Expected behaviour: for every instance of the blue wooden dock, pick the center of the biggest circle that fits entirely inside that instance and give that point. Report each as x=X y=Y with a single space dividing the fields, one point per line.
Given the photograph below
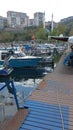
x=51 y=104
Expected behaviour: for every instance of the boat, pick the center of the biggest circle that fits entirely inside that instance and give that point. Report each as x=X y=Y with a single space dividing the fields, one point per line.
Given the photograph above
x=3 y=55
x=5 y=71
x=47 y=57
x=47 y=61
x=18 y=59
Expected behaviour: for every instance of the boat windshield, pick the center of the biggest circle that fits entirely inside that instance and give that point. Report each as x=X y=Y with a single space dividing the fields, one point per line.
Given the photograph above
x=19 y=54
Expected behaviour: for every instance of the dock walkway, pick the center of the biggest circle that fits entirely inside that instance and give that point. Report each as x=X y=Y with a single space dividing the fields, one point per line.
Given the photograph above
x=51 y=104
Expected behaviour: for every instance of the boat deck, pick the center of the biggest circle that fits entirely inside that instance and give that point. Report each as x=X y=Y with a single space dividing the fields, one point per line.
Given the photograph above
x=51 y=104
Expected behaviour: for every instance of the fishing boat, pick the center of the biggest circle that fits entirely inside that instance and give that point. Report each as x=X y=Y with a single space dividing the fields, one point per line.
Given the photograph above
x=18 y=59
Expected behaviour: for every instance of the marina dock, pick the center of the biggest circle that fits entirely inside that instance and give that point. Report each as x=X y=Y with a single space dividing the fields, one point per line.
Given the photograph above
x=50 y=106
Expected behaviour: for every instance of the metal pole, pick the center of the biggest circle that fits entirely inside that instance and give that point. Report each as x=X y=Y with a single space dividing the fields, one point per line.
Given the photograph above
x=14 y=91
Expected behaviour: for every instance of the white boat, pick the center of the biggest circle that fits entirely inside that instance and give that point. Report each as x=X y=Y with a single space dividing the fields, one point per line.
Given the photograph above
x=18 y=59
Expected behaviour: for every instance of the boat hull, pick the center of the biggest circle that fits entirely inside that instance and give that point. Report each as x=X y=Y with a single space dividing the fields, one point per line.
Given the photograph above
x=5 y=71
x=19 y=63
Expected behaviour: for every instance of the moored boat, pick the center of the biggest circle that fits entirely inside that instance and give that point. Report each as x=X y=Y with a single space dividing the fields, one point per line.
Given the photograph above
x=5 y=71
x=18 y=59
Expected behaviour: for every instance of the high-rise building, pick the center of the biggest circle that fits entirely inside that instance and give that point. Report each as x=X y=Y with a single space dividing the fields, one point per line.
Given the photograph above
x=31 y=22
x=38 y=18
x=17 y=19
x=1 y=23
x=20 y=20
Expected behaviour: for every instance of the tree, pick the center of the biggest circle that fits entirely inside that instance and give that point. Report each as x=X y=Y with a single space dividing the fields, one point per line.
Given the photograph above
x=41 y=34
x=6 y=36
x=71 y=32
x=60 y=29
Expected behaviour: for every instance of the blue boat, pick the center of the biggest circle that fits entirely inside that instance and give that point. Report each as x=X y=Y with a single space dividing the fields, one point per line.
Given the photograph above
x=5 y=71
x=18 y=59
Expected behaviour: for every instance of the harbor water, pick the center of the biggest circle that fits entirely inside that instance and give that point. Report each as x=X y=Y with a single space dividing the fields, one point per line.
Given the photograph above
x=25 y=81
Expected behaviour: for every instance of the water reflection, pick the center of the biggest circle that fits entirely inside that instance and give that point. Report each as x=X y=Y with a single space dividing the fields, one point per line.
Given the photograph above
x=24 y=78
x=25 y=81
x=27 y=73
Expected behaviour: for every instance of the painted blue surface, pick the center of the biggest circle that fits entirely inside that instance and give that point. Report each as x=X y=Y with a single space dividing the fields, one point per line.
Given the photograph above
x=1 y=62
x=45 y=116
x=3 y=72
x=8 y=85
x=18 y=63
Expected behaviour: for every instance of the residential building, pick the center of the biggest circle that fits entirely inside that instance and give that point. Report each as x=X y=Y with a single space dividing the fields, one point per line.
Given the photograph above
x=1 y=22
x=31 y=22
x=17 y=19
x=38 y=18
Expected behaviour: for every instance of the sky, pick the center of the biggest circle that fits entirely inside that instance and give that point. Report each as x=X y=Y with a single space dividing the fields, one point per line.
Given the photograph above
x=59 y=8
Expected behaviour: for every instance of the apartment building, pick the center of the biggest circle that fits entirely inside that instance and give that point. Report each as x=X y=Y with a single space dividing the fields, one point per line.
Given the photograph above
x=17 y=19
x=1 y=22
x=20 y=20
x=31 y=23
x=38 y=18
